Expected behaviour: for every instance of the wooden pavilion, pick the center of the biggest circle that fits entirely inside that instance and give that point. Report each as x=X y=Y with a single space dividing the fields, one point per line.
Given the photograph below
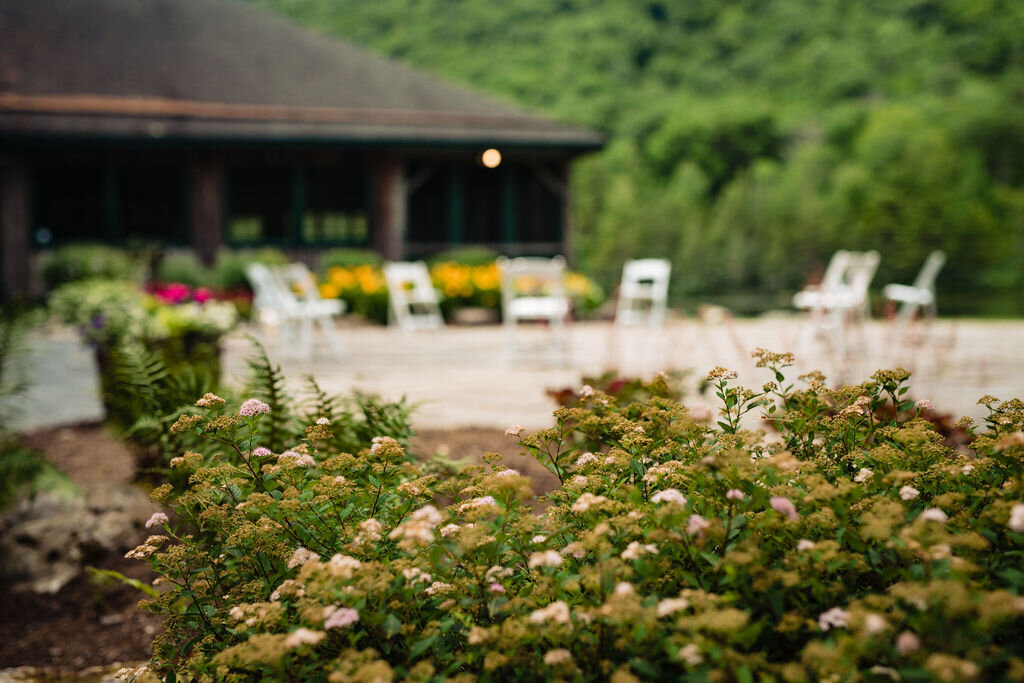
x=209 y=124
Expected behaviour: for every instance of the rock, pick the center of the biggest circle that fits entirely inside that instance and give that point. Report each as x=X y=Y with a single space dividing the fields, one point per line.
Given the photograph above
x=46 y=540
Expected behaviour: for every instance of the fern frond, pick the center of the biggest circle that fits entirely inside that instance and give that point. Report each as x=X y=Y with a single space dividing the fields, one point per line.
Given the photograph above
x=267 y=382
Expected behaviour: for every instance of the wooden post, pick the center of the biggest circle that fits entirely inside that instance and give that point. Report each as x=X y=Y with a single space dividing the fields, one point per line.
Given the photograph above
x=566 y=195
x=207 y=209
x=389 y=206
x=14 y=229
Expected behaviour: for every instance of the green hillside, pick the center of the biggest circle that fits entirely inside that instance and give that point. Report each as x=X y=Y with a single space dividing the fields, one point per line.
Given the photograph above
x=750 y=139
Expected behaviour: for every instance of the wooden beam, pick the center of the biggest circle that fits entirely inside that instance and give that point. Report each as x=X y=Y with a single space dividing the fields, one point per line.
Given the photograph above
x=206 y=185
x=15 y=185
x=388 y=212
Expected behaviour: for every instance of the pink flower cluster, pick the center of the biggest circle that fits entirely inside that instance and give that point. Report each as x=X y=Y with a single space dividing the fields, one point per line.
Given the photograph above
x=178 y=293
x=252 y=407
x=157 y=519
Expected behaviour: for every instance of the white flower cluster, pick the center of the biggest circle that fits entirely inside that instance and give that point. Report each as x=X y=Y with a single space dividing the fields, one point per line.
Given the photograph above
x=418 y=530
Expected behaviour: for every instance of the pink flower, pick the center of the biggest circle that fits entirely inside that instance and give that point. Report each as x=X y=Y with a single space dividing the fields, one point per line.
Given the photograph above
x=342 y=618
x=907 y=642
x=785 y=506
x=261 y=451
x=734 y=494
x=696 y=525
x=497 y=588
x=202 y=295
x=156 y=519
x=923 y=404
x=252 y=407
x=300 y=459
x=515 y=430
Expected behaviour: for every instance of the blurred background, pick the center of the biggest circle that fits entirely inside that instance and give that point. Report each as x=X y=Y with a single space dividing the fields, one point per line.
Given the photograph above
x=748 y=140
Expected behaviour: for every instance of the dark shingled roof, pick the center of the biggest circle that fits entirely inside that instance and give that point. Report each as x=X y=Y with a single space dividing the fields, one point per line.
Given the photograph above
x=220 y=70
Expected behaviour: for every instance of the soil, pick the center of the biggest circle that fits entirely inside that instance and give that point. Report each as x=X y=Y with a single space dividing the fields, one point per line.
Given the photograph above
x=91 y=623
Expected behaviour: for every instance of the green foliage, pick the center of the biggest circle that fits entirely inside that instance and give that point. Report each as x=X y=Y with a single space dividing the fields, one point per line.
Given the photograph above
x=185 y=268
x=89 y=261
x=673 y=548
x=229 y=270
x=467 y=256
x=349 y=258
x=749 y=141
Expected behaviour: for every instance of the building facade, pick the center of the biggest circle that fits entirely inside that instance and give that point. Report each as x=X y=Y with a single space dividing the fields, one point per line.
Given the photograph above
x=208 y=124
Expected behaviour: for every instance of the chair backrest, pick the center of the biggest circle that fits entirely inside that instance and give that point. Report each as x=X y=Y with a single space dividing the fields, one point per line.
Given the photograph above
x=643 y=280
x=930 y=270
x=836 y=270
x=411 y=294
x=271 y=297
x=860 y=271
x=531 y=276
x=298 y=279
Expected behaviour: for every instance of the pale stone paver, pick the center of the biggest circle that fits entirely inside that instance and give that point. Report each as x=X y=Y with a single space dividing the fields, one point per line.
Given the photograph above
x=461 y=376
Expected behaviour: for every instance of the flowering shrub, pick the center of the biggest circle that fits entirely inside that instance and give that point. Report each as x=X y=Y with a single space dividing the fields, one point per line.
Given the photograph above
x=461 y=285
x=849 y=548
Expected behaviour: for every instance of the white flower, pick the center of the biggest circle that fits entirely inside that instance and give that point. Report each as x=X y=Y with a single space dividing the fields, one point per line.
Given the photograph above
x=303 y=636
x=669 y=496
x=934 y=515
x=538 y=539
x=836 y=617
x=907 y=642
x=863 y=475
x=507 y=473
x=449 y=530
x=301 y=556
x=343 y=566
x=547 y=558
x=671 y=606
x=967 y=469
x=437 y=587
x=584 y=502
x=924 y=404
x=428 y=514
x=415 y=575
x=558 y=612
x=585 y=459
x=556 y=657
x=636 y=549
x=586 y=391
x=482 y=501
x=575 y=549
x=1016 y=522
x=497 y=572
x=323 y=421
x=804 y=544
x=734 y=494
x=691 y=654
x=623 y=588
x=874 y=624
x=909 y=493
x=515 y=430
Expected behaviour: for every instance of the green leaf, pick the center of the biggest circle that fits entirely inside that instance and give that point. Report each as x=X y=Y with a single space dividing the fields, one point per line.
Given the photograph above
x=391 y=625
x=421 y=646
x=134 y=583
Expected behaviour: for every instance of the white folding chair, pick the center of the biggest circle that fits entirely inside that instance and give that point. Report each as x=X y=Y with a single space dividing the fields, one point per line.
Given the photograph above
x=919 y=296
x=533 y=290
x=287 y=300
x=299 y=280
x=842 y=298
x=413 y=301
x=643 y=292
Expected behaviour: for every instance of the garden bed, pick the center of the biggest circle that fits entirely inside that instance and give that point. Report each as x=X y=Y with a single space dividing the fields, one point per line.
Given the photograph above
x=89 y=624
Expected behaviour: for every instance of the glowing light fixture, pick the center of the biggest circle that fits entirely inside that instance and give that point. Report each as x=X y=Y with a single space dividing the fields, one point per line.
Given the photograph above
x=490 y=158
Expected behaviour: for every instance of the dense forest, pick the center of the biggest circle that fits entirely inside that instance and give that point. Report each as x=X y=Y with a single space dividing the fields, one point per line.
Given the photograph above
x=748 y=139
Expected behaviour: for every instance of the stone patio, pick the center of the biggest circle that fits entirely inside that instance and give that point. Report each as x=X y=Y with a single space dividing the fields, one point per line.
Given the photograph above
x=461 y=376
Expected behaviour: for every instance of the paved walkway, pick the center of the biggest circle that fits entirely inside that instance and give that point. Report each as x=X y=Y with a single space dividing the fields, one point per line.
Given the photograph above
x=461 y=376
